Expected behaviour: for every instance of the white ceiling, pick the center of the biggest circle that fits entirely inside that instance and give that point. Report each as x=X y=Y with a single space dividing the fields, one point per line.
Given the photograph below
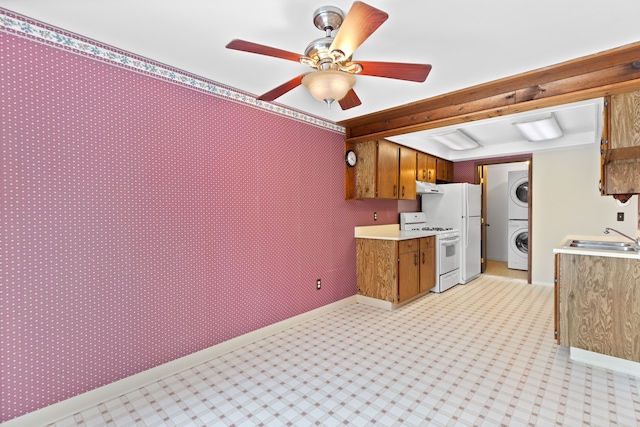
x=467 y=42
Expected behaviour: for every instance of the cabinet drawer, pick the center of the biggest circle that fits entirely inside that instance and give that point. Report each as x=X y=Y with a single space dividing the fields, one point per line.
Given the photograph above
x=405 y=246
x=427 y=242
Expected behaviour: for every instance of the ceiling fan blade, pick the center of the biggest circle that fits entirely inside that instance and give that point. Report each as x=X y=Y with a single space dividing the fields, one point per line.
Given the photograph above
x=350 y=100
x=246 y=46
x=395 y=70
x=361 y=21
x=282 y=89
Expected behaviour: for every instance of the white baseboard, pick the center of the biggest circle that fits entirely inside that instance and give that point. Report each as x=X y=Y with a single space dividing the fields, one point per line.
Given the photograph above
x=79 y=403
x=604 y=361
x=536 y=282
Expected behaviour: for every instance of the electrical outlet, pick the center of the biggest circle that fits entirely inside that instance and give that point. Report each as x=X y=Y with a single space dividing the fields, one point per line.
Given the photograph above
x=620 y=216
x=318 y=284
x=375 y=216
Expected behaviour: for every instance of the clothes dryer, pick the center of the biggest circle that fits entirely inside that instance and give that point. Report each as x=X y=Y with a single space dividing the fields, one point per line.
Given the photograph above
x=518 y=203
x=518 y=255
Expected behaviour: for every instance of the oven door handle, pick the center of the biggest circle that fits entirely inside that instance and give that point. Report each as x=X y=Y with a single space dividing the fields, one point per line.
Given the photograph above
x=447 y=241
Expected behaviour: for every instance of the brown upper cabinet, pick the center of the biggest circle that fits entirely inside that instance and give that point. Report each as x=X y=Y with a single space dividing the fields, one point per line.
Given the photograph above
x=620 y=146
x=444 y=170
x=407 y=174
x=426 y=167
x=377 y=170
x=386 y=170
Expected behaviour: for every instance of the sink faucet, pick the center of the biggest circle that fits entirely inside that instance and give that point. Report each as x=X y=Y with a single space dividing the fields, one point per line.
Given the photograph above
x=636 y=241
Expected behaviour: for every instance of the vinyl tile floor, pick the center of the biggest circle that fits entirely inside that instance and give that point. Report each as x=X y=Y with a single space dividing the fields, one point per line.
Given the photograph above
x=480 y=354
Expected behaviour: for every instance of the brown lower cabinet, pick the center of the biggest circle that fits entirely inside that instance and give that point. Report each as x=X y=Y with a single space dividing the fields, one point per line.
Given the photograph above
x=597 y=300
x=395 y=271
x=408 y=269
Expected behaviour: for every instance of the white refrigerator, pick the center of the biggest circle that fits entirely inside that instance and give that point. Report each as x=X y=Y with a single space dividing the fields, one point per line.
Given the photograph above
x=459 y=206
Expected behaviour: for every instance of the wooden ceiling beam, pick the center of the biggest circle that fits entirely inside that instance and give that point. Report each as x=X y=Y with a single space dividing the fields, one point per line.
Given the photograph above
x=609 y=72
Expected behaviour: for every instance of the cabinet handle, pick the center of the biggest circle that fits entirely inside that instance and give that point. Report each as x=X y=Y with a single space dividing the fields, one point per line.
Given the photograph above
x=395 y=190
x=423 y=257
x=415 y=259
x=600 y=186
x=403 y=191
x=424 y=174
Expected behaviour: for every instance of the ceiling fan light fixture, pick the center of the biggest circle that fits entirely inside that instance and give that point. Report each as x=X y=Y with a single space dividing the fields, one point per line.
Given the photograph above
x=540 y=130
x=456 y=140
x=328 y=85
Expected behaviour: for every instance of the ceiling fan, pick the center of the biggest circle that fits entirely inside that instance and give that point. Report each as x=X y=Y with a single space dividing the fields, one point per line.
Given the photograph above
x=331 y=57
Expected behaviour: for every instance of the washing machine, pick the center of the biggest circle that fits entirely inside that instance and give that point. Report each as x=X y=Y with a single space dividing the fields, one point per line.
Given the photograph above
x=518 y=204
x=518 y=255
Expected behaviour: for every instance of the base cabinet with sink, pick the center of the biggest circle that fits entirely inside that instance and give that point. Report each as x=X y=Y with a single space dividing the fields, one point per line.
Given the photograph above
x=597 y=300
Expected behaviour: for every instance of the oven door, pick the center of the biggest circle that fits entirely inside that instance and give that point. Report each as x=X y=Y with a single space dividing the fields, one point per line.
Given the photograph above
x=449 y=255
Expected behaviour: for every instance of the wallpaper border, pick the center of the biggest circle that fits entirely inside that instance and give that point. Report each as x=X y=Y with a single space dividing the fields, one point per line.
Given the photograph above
x=13 y=23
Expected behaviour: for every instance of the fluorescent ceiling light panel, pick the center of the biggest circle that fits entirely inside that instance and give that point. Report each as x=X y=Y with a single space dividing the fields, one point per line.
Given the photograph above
x=456 y=140
x=540 y=130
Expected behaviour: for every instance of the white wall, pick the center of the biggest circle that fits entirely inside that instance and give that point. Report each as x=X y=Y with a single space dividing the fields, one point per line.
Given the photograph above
x=497 y=208
x=566 y=200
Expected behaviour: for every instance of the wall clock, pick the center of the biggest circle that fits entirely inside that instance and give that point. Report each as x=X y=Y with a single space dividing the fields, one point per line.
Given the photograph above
x=350 y=158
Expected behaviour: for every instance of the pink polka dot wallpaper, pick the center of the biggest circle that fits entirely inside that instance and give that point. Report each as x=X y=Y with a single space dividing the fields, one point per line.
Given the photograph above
x=143 y=221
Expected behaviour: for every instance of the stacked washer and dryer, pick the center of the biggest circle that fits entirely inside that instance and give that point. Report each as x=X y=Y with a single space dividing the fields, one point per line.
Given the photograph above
x=518 y=215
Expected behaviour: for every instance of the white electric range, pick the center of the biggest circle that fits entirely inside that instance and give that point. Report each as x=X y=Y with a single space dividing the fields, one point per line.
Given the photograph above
x=447 y=248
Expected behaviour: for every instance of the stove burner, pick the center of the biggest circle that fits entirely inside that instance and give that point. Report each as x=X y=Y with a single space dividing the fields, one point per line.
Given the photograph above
x=437 y=228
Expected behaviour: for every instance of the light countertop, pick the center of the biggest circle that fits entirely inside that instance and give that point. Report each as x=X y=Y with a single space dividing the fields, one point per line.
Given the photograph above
x=561 y=249
x=389 y=232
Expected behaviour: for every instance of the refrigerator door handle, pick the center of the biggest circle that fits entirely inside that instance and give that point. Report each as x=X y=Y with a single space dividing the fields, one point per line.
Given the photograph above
x=466 y=234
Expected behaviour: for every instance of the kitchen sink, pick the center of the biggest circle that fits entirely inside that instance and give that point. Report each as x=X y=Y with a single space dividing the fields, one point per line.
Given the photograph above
x=601 y=245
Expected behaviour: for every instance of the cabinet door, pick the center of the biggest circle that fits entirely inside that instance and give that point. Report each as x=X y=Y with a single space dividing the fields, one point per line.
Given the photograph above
x=376 y=266
x=387 y=170
x=444 y=170
x=427 y=263
x=431 y=169
x=408 y=269
x=599 y=305
x=621 y=171
x=407 y=174
x=421 y=166
x=366 y=169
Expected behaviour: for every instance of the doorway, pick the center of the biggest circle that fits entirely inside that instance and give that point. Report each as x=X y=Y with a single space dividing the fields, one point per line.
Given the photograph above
x=495 y=245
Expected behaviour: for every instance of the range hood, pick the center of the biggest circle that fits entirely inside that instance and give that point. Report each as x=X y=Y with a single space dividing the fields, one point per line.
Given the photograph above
x=423 y=187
